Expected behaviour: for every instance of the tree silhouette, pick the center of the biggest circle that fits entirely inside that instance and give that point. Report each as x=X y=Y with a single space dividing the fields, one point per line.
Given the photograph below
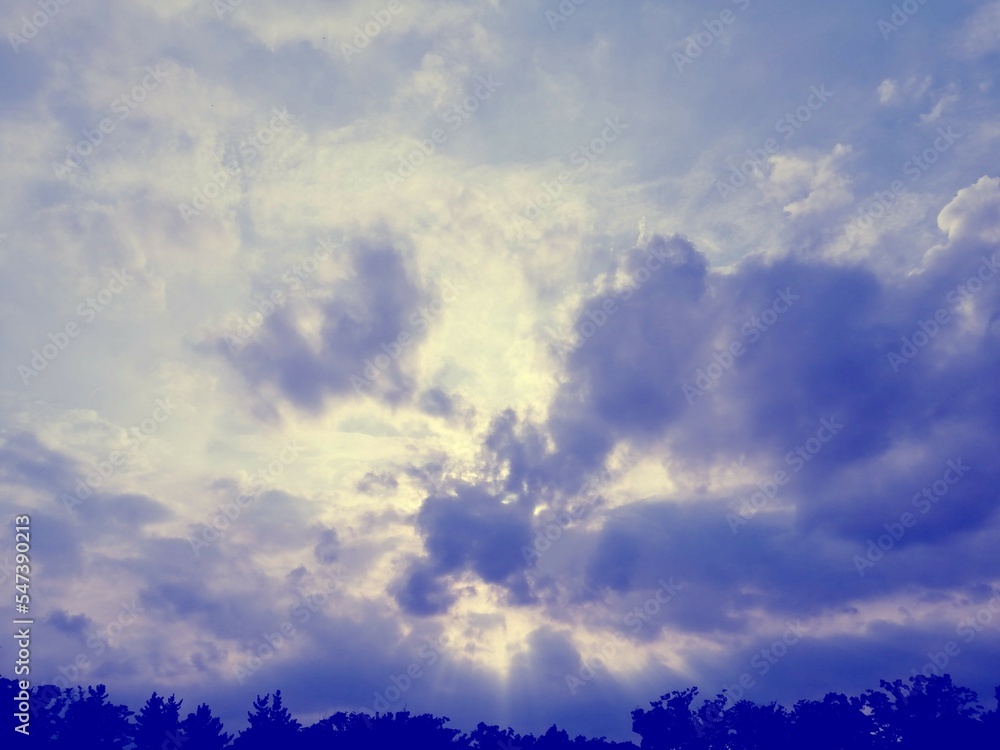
x=670 y=725
x=991 y=722
x=491 y=736
x=922 y=713
x=48 y=709
x=202 y=731
x=553 y=739
x=710 y=721
x=270 y=726
x=91 y=720
x=158 y=723
x=357 y=731
x=930 y=712
x=751 y=726
x=835 y=723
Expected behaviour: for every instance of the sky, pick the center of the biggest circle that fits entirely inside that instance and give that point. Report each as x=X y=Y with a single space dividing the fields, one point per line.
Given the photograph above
x=518 y=362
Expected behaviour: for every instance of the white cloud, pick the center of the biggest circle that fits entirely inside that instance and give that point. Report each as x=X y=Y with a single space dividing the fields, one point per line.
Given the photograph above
x=809 y=186
x=980 y=35
x=888 y=91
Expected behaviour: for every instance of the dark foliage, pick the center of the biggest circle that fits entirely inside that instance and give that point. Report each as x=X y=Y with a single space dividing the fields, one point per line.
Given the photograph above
x=924 y=713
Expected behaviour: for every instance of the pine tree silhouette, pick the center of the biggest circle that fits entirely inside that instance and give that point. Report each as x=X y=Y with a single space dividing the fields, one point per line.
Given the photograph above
x=47 y=715
x=92 y=721
x=158 y=723
x=270 y=726
x=202 y=731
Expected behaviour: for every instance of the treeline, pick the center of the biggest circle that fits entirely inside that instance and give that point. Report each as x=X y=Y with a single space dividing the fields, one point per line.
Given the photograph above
x=926 y=712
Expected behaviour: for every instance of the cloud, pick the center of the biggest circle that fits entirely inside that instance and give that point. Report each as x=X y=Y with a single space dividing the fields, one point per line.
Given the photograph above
x=473 y=528
x=980 y=35
x=807 y=187
x=815 y=340
x=422 y=592
x=328 y=547
x=888 y=91
x=367 y=324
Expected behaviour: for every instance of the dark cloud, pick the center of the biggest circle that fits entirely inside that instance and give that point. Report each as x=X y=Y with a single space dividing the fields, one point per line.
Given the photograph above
x=476 y=529
x=422 y=591
x=127 y=511
x=483 y=528
x=515 y=453
x=553 y=677
x=813 y=338
x=63 y=621
x=436 y=402
x=58 y=543
x=615 y=560
x=450 y=406
x=328 y=546
x=810 y=391
x=639 y=339
x=374 y=482
x=360 y=351
x=821 y=353
x=25 y=460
